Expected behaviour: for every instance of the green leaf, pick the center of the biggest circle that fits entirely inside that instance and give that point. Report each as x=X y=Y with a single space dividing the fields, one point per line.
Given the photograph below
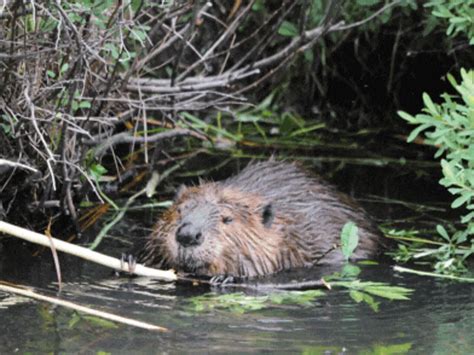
x=442 y=232
x=448 y=170
x=379 y=289
x=467 y=218
x=136 y=4
x=350 y=271
x=64 y=68
x=367 y=2
x=389 y=292
x=417 y=131
x=309 y=55
x=97 y=171
x=429 y=104
x=266 y=103
x=395 y=349
x=75 y=319
x=349 y=239
x=296 y=297
x=288 y=29
x=248 y=117
x=367 y=262
x=407 y=117
x=364 y=297
x=356 y=295
x=84 y=104
x=461 y=200
x=241 y=303
x=100 y=322
x=259 y=5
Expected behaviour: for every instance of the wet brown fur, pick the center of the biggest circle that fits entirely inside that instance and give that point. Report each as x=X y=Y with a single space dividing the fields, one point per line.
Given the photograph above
x=281 y=218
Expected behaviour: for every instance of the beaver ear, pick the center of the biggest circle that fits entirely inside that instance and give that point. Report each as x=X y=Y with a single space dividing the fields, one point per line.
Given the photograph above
x=179 y=192
x=268 y=215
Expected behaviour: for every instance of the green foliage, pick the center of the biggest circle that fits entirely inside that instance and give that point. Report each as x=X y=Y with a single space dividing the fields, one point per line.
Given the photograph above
x=288 y=29
x=349 y=239
x=395 y=349
x=364 y=291
x=456 y=15
x=449 y=126
x=95 y=321
x=359 y=291
x=351 y=11
x=262 y=124
x=359 y=297
x=241 y=303
x=96 y=171
x=6 y=124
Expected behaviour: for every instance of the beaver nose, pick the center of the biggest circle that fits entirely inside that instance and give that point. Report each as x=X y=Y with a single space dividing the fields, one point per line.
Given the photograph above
x=188 y=235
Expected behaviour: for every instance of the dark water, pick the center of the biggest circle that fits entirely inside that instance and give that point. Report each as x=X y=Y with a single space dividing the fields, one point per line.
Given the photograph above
x=439 y=318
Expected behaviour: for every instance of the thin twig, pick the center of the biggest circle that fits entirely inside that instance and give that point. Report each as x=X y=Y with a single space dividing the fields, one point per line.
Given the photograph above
x=432 y=274
x=43 y=141
x=12 y=164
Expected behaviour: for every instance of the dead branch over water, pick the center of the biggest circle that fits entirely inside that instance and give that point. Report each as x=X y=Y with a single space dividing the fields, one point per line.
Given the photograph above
x=79 y=81
x=84 y=253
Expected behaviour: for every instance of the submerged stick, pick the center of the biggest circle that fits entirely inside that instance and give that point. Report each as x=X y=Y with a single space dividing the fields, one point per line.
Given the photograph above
x=303 y=285
x=289 y=286
x=87 y=254
x=432 y=274
x=94 y=312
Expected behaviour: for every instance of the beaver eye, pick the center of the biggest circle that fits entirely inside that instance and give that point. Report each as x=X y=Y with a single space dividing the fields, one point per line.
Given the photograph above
x=227 y=220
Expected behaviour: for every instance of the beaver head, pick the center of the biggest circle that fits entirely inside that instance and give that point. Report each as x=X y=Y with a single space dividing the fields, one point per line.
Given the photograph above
x=212 y=229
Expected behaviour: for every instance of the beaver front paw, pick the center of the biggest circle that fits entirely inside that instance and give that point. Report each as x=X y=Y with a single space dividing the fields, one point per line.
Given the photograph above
x=128 y=261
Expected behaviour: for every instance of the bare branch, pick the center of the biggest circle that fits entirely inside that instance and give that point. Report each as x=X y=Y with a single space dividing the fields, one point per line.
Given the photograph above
x=12 y=164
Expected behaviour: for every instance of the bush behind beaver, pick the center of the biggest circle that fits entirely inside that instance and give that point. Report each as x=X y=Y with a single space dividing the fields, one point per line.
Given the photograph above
x=270 y=217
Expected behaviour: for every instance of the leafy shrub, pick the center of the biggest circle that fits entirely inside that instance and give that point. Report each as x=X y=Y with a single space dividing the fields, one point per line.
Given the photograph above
x=449 y=126
x=458 y=15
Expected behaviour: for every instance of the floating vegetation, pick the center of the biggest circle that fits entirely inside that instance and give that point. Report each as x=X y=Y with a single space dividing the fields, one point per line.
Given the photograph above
x=241 y=303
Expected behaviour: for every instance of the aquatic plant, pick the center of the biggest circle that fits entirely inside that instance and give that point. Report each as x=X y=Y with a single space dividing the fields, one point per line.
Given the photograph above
x=359 y=291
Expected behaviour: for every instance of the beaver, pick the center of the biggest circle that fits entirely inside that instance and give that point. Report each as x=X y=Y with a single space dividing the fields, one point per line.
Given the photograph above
x=272 y=216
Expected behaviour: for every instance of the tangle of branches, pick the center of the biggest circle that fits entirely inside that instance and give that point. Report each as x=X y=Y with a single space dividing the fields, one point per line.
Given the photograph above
x=79 y=78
